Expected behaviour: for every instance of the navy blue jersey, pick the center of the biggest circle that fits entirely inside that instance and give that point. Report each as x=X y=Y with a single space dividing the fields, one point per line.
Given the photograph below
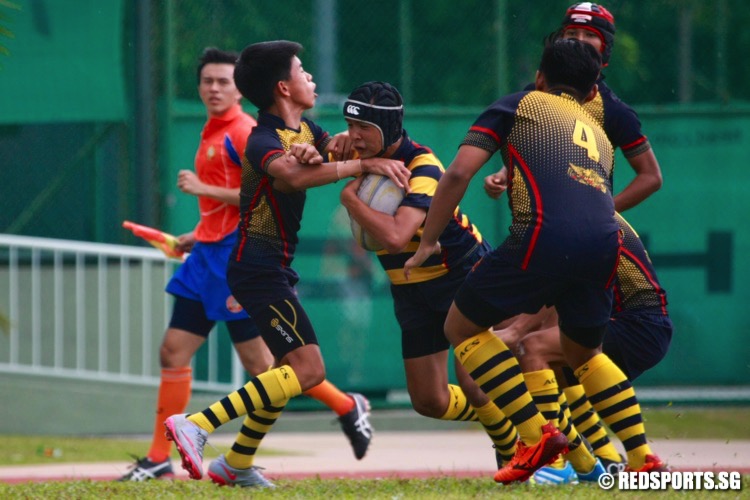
x=560 y=194
x=619 y=121
x=270 y=219
x=636 y=287
x=457 y=241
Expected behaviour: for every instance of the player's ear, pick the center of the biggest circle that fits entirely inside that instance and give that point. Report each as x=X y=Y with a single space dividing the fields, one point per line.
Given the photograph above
x=592 y=93
x=282 y=88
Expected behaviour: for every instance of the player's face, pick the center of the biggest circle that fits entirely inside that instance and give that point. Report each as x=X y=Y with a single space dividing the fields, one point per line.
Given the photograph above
x=366 y=139
x=301 y=86
x=217 y=89
x=585 y=36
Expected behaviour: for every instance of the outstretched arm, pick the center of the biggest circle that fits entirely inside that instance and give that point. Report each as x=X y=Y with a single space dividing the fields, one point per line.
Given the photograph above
x=291 y=175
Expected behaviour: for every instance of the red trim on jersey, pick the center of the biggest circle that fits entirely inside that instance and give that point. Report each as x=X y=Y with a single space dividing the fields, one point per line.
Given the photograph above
x=538 y=202
x=634 y=143
x=617 y=300
x=274 y=204
x=617 y=262
x=269 y=154
x=648 y=276
x=246 y=217
x=487 y=131
x=320 y=141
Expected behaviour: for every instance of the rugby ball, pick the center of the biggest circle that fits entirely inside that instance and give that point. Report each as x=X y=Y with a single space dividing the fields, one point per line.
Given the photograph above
x=379 y=193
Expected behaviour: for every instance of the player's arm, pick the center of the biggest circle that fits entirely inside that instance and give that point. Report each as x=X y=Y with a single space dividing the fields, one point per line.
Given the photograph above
x=647 y=181
x=291 y=175
x=394 y=232
x=340 y=146
x=185 y=242
x=189 y=183
x=450 y=190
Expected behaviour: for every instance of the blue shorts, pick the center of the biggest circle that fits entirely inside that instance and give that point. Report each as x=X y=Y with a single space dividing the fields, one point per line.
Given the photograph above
x=637 y=341
x=496 y=290
x=203 y=278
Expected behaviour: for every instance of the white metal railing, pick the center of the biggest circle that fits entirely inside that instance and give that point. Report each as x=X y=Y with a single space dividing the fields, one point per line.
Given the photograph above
x=90 y=311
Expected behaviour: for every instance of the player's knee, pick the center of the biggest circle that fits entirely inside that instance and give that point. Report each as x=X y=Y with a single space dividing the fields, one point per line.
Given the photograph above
x=255 y=367
x=257 y=360
x=428 y=406
x=169 y=357
x=309 y=374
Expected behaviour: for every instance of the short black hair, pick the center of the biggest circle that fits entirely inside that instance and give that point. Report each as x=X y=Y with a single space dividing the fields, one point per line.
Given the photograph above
x=212 y=55
x=261 y=66
x=570 y=63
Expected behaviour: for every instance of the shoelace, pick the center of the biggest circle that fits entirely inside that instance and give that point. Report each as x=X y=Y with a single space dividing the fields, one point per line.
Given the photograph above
x=138 y=471
x=363 y=425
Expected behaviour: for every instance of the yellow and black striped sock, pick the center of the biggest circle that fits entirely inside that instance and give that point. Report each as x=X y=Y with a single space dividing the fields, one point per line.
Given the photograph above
x=255 y=427
x=578 y=455
x=494 y=368
x=543 y=388
x=500 y=430
x=588 y=423
x=458 y=406
x=267 y=389
x=611 y=394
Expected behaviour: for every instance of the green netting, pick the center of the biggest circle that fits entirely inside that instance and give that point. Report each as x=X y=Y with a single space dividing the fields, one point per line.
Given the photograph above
x=65 y=63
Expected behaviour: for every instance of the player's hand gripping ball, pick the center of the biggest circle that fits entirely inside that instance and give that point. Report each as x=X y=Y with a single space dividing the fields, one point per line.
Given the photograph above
x=379 y=193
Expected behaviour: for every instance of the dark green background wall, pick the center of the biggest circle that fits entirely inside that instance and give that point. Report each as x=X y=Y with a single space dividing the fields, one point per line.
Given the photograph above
x=98 y=112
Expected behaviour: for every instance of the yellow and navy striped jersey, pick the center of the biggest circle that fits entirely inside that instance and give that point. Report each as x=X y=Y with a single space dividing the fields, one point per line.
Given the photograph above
x=458 y=239
x=270 y=219
x=636 y=286
x=559 y=166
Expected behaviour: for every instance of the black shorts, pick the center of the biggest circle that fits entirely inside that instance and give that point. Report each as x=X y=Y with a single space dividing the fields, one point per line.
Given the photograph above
x=496 y=290
x=190 y=315
x=421 y=309
x=268 y=295
x=637 y=341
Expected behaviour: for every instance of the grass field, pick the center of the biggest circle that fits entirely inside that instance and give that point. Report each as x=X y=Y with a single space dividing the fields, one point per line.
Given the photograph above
x=726 y=423
x=442 y=488
x=673 y=423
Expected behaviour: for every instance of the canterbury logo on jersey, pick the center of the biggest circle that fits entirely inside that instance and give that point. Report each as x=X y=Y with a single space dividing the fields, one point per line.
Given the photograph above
x=352 y=110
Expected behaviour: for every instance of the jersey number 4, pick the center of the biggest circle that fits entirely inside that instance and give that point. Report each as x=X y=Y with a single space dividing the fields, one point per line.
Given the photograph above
x=583 y=136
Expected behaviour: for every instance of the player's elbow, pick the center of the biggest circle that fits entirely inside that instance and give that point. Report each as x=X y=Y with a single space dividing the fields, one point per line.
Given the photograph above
x=395 y=244
x=656 y=181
